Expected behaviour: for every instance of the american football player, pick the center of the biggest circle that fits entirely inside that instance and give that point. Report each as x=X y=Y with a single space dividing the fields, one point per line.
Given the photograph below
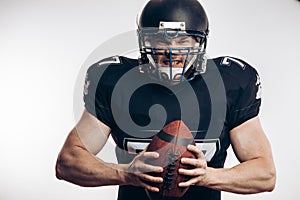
x=173 y=79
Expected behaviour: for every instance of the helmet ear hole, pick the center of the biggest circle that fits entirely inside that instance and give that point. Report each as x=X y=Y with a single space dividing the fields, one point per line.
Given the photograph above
x=198 y=40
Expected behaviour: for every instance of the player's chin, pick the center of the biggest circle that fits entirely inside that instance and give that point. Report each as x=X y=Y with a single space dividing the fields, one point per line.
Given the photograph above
x=177 y=79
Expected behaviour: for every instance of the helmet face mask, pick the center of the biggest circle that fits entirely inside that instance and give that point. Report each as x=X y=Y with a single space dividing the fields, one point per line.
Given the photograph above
x=172 y=47
x=171 y=53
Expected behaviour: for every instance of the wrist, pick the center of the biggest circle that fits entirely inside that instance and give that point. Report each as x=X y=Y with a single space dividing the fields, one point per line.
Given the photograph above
x=215 y=177
x=122 y=174
x=211 y=178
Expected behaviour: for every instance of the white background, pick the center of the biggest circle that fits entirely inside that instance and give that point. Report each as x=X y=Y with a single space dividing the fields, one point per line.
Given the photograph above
x=44 y=44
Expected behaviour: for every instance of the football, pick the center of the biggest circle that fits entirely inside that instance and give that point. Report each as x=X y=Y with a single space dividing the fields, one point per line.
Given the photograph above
x=171 y=144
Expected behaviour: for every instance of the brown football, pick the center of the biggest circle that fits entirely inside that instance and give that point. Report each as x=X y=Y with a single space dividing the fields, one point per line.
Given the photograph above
x=171 y=144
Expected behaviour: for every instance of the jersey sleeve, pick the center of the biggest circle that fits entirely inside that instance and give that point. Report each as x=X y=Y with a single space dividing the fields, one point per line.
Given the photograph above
x=96 y=96
x=248 y=101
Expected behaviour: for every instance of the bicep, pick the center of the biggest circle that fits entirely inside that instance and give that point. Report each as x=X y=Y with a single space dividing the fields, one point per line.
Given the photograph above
x=91 y=132
x=249 y=141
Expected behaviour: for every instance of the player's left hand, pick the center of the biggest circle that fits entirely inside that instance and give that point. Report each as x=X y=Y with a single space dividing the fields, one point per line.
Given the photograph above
x=199 y=171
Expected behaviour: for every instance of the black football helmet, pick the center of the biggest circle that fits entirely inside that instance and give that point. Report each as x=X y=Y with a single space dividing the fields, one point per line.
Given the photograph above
x=168 y=20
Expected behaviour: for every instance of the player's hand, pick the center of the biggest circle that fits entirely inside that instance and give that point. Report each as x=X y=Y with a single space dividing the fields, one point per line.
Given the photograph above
x=199 y=171
x=137 y=173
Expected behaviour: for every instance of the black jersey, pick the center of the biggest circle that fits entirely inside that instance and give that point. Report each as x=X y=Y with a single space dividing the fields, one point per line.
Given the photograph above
x=136 y=107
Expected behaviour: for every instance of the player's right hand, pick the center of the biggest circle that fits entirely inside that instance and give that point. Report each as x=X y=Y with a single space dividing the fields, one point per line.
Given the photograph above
x=137 y=171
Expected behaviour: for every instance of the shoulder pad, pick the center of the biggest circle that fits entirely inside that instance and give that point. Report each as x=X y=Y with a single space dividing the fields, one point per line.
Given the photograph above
x=113 y=60
x=237 y=69
x=234 y=65
x=232 y=62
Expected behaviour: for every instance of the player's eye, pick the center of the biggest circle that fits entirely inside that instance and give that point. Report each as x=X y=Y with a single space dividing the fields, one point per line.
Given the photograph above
x=184 y=41
x=161 y=42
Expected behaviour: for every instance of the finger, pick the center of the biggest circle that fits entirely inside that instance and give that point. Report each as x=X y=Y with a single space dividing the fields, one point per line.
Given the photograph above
x=148 y=155
x=149 y=178
x=188 y=183
x=196 y=151
x=149 y=187
x=198 y=163
x=151 y=168
x=192 y=172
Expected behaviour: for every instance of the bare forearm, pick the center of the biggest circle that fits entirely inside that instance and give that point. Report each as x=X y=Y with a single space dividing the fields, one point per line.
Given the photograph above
x=253 y=176
x=85 y=169
x=77 y=165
